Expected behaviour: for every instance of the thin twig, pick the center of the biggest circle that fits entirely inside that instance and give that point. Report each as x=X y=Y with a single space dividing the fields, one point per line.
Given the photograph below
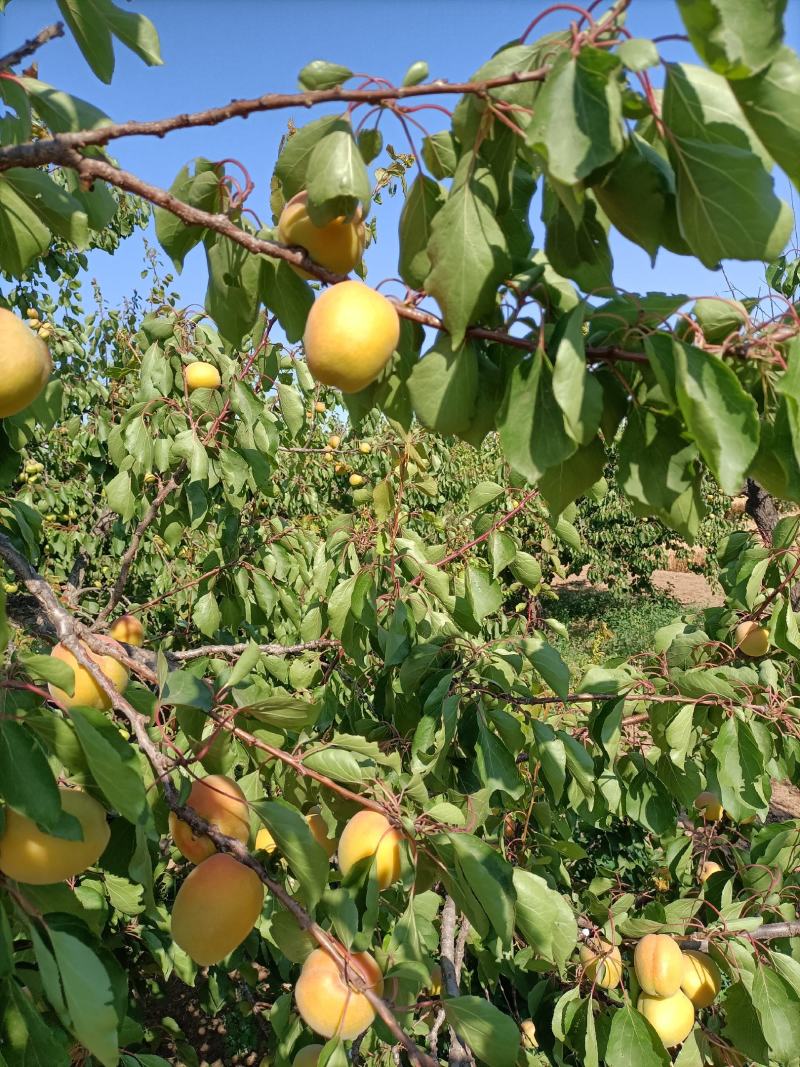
x=32 y=45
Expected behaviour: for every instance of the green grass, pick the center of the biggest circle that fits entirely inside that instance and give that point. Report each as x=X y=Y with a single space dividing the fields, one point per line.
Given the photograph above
x=605 y=623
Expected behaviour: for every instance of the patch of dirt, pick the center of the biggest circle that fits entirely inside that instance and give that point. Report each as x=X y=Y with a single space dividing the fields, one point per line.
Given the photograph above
x=688 y=588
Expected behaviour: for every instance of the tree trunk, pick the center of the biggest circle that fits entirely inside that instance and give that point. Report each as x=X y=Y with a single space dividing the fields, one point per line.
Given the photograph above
x=763 y=510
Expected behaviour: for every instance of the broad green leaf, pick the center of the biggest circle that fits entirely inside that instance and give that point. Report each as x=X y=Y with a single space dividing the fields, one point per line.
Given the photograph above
x=23 y=235
x=742 y=1023
x=135 y=31
x=88 y=991
x=292 y=166
x=490 y=1033
x=531 y=425
x=286 y=295
x=577 y=122
x=337 y=177
x=771 y=102
x=577 y=392
x=199 y=187
x=574 y=477
x=632 y=1041
x=293 y=408
x=439 y=153
x=60 y=111
x=319 y=74
x=232 y=295
x=59 y=211
x=548 y=663
x=469 y=256
x=495 y=764
x=112 y=762
x=638 y=53
x=577 y=249
x=483 y=594
x=86 y=19
x=27 y=783
x=544 y=919
x=443 y=385
x=206 y=614
x=740 y=770
x=29 y=1040
x=735 y=37
x=416 y=73
x=424 y=200
x=306 y=858
x=778 y=1009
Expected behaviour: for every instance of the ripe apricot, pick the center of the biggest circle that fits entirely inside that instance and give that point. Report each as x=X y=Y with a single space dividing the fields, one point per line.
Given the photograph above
x=307 y=1056
x=355 y=480
x=602 y=963
x=338 y=245
x=528 y=1028
x=87 y=691
x=327 y=1003
x=708 y=868
x=351 y=333
x=671 y=1017
x=221 y=802
x=752 y=639
x=369 y=833
x=334 y=440
x=27 y=854
x=129 y=629
x=659 y=965
x=201 y=375
x=216 y=908
x=365 y=448
x=434 y=987
x=265 y=842
x=709 y=806
x=701 y=978
x=319 y=831
x=25 y=364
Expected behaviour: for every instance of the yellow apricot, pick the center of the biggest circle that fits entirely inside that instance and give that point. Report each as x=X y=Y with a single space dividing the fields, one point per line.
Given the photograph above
x=435 y=984
x=701 y=978
x=709 y=806
x=202 y=375
x=319 y=831
x=327 y=1003
x=659 y=965
x=365 y=448
x=221 y=802
x=129 y=629
x=27 y=854
x=25 y=364
x=369 y=833
x=87 y=692
x=708 y=868
x=307 y=1056
x=319 y=407
x=216 y=908
x=602 y=963
x=355 y=480
x=265 y=842
x=752 y=639
x=672 y=1017
x=334 y=440
x=528 y=1028
x=351 y=333
x=338 y=245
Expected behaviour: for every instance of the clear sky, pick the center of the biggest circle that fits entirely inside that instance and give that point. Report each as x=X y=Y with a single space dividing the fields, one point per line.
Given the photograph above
x=217 y=50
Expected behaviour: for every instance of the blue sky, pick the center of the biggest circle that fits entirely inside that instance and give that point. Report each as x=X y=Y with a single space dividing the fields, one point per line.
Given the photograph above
x=216 y=50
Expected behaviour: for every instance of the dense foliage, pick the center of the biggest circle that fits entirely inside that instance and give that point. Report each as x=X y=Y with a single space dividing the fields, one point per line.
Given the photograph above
x=344 y=598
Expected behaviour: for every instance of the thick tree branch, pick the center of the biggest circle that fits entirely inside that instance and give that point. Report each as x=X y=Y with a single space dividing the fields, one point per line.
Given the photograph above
x=460 y=1055
x=101 y=529
x=269 y=649
x=32 y=45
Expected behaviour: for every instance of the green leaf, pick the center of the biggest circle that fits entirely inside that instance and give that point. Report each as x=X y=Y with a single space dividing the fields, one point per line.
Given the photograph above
x=771 y=103
x=60 y=212
x=90 y=29
x=742 y=1024
x=439 y=153
x=577 y=122
x=88 y=992
x=23 y=235
x=527 y=569
x=61 y=112
x=306 y=858
x=286 y=295
x=483 y=493
x=293 y=408
x=577 y=392
x=544 y=919
x=778 y=1009
x=721 y=417
x=483 y=595
x=337 y=177
x=27 y=783
x=632 y=1041
x=199 y=188
x=576 y=249
x=282 y=712
x=638 y=53
x=495 y=764
x=292 y=165
x=531 y=425
x=206 y=614
x=232 y=295
x=135 y=31
x=319 y=74
x=443 y=385
x=29 y=1040
x=113 y=763
x=735 y=38
x=574 y=477
x=492 y=1035
x=469 y=255
x=727 y=207
x=740 y=770
x=424 y=200
x=50 y=669
x=119 y=495
x=548 y=663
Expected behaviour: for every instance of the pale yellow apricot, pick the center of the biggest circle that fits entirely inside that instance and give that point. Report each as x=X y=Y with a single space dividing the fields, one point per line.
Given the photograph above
x=87 y=692
x=307 y=1056
x=27 y=854
x=221 y=802
x=216 y=908
x=129 y=629
x=350 y=335
x=709 y=806
x=708 y=868
x=752 y=639
x=602 y=963
x=201 y=375
x=25 y=364
x=671 y=1017
x=528 y=1028
x=369 y=833
x=334 y=440
x=338 y=245
x=434 y=987
x=327 y=1003
x=659 y=965
x=355 y=480
x=265 y=842
x=319 y=831
x=365 y=448
x=701 y=978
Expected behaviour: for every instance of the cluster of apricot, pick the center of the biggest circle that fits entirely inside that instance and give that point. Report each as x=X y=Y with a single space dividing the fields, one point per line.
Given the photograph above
x=672 y=983
x=220 y=902
x=339 y=466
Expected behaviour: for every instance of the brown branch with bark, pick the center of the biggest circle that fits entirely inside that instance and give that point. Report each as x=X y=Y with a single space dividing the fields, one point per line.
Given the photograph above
x=33 y=44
